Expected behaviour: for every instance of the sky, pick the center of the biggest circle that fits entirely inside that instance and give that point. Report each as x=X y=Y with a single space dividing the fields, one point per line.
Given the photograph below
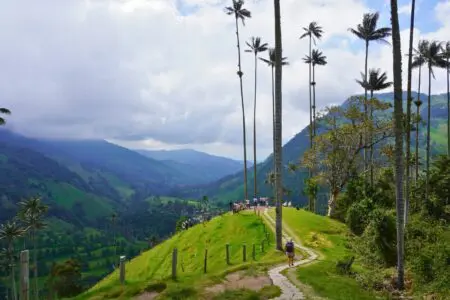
x=161 y=74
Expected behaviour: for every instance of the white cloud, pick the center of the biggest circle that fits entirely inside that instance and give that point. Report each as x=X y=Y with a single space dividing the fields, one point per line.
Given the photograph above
x=144 y=74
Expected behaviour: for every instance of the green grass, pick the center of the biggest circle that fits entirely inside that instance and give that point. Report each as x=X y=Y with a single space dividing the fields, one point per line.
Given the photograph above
x=155 y=264
x=328 y=238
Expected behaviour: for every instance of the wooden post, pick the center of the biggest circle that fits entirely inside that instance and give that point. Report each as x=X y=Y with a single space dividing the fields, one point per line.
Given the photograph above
x=174 y=263
x=122 y=269
x=24 y=275
x=206 y=261
x=262 y=246
x=227 y=251
x=254 y=252
x=244 y=253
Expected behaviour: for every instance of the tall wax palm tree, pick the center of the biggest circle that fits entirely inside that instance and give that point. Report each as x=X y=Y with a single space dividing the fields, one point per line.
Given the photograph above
x=32 y=212
x=255 y=47
x=418 y=61
x=10 y=232
x=433 y=58
x=398 y=131
x=313 y=32
x=316 y=59
x=447 y=57
x=408 y=110
x=3 y=111
x=240 y=13
x=278 y=123
x=377 y=81
x=368 y=32
x=271 y=63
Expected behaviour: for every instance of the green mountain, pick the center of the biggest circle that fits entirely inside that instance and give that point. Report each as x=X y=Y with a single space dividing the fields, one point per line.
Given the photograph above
x=231 y=188
x=83 y=183
x=201 y=166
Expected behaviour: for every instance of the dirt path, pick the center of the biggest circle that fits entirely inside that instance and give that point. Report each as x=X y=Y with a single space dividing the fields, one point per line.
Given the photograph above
x=288 y=290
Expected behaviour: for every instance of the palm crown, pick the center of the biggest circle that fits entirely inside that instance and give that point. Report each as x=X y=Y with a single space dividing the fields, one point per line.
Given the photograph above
x=313 y=30
x=256 y=46
x=368 y=30
x=5 y=112
x=317 y=58
x=432 y=54
x=377 y=81
x=238 y=11
x=10 y=231
x=271 y=61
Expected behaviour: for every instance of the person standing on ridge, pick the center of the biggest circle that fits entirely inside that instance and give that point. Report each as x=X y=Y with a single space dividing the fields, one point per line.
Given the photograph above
x=289 y=248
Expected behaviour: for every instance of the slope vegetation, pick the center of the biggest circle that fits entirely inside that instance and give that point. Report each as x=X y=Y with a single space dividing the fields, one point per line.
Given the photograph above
x=231 y=187
x=154 y=266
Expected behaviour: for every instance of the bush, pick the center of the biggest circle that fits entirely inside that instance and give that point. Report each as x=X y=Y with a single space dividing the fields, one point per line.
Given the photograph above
x=378 y=243
x=357 y=216
x=344 y=266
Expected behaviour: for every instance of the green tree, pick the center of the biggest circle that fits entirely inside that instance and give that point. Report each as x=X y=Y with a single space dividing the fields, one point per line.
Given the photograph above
x=65 y=279
x=278 y=121
x=31 y=213
x=3 y=111
x=336 y=152
x=313 y=32
x=398 y=131
x=368 y=32
x=377 y=81
x=433 y=58
x=418 y=62
x=255 y=47
x=240 y=13
x=408 y=110
x=271 y=63
x=10 y=231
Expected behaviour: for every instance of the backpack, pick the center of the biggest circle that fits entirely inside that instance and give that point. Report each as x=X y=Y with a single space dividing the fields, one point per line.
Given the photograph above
x=289 y=247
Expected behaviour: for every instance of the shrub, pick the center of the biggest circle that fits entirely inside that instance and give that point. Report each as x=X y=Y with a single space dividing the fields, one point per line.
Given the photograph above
x=357 y=216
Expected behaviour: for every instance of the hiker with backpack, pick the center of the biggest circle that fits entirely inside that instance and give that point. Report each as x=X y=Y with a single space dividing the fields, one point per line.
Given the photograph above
x=290 y=252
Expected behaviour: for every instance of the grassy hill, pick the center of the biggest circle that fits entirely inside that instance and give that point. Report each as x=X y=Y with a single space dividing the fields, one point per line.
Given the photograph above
x=231 y=187
x=149 y=269
x=205 y=167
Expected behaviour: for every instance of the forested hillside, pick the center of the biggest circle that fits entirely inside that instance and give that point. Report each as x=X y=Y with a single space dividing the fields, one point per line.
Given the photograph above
x=231 y=187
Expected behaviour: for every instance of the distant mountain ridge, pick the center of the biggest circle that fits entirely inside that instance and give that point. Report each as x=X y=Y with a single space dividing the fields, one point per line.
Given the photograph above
x=211 y=167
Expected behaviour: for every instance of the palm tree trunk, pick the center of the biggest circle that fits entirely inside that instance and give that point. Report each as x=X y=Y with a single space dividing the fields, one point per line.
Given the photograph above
x=255 y=191
x=428 y=134
x=310 y=96
x=417 y=125
x=273 y=117
x=313 y=83
x=365 y=109
x=398 y=129
x=36 y=290
x=448 y=106
x=312 y=201
x=278 y=123
x=13 y=273
x=408 y=112
x=310 y=112
x=243 y=109
x=370 y=141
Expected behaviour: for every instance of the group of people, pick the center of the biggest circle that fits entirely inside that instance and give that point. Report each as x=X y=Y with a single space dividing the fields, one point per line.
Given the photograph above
x=257 y=202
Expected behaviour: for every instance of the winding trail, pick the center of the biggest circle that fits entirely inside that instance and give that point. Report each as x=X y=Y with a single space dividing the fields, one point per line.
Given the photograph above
x=288 y=290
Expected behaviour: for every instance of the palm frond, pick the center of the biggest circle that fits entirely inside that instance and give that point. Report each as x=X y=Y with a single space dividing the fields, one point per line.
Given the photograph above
x=5 y=111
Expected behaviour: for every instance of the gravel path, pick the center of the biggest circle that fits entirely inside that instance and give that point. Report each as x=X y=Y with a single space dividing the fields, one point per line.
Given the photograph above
x=288 y=290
